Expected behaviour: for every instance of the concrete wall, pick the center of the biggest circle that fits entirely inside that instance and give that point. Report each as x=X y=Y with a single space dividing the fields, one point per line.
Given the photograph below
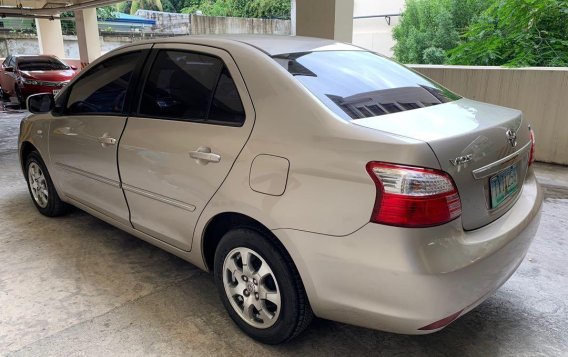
x=541 y=93
x=27 y=44
x=18 y=43
x=376 y=33
x=227 y=25
x=167 y=22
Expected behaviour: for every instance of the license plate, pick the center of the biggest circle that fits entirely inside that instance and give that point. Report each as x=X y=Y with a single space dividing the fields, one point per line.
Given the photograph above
x=55 y=91
x=503 y=185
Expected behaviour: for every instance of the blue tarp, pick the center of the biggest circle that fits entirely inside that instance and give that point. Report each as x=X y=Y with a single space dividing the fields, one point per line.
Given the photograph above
x=131 y=19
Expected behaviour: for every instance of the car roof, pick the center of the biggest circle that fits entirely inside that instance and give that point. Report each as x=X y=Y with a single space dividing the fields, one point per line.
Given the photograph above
x=272 y=44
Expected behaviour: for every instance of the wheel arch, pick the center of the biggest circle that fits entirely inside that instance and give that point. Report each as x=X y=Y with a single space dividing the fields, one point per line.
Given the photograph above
x=222 y=223
x=25 y=149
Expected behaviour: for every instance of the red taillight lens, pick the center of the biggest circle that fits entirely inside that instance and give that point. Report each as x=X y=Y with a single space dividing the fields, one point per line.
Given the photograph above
x=533 y=142
x=442 y=323
x=413 y=197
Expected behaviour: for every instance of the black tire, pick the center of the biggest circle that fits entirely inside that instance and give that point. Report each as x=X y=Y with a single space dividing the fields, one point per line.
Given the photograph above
x=55 y=207
x=20 y=97
x=3 y=95
x=295 y=312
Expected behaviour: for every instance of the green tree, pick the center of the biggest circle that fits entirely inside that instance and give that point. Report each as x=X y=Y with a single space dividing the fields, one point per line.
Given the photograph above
x=517 y=33
x=136 y=5
x=428 y=28
x=124 y=7
x=240 y=8
x=68 y=18
x=268 y=9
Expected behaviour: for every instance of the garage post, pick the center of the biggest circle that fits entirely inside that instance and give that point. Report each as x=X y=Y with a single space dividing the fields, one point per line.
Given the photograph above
x=331 y=19
x=88 y=35
x=50 y=37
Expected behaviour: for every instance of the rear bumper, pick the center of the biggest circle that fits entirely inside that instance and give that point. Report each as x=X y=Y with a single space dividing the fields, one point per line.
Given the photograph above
x=399 y=279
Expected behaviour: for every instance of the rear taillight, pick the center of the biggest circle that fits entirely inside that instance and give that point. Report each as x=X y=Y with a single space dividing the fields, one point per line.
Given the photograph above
x=412 y=196
x=533 y=142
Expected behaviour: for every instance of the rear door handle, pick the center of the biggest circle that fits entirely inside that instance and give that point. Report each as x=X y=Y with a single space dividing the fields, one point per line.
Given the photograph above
x=203 y=156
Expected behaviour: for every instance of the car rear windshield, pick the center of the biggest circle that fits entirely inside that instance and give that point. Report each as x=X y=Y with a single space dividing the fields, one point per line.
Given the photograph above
x=361 y=84
x=40 y=64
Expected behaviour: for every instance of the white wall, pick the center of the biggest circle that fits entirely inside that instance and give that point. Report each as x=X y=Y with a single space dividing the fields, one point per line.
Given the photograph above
x=375 y=33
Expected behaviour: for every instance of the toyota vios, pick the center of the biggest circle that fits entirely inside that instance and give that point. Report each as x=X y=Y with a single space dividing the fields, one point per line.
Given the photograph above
x=311 y=177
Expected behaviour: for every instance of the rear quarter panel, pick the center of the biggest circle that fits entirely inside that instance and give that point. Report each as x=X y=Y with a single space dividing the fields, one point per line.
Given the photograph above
x=328 y=189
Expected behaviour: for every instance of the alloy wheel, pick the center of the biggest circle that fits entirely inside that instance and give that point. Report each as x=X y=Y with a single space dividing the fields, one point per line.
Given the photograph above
x=251 y=286
x=38 y=185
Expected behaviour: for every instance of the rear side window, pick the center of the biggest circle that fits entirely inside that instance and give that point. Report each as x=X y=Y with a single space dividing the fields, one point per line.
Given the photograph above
x=360 y=84
x=103 y=89
x=226 y=106
x=191 y=86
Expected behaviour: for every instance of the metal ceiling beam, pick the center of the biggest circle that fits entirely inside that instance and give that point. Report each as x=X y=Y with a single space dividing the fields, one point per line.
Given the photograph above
x=11 y=11
x=26 y=16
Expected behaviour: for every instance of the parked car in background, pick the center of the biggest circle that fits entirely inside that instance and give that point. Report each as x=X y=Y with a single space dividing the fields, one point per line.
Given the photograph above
x=312 y=177
x=22 y=76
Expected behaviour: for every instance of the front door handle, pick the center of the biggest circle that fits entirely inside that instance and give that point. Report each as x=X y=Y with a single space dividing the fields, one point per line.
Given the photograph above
x=106 y=140
x=203 y=156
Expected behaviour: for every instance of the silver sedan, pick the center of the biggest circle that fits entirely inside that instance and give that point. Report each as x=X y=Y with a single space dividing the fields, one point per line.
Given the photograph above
x=313 y=178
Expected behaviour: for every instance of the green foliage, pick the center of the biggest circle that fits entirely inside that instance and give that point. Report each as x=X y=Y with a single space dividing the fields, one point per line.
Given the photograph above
x=434 y=55
x=124 y=7
x=240 y=8
x=517 y=33
x=68 y=19
x=268 y=9
x=136 y=5
x=106 y=12
x=237 y=8
x=428 y=28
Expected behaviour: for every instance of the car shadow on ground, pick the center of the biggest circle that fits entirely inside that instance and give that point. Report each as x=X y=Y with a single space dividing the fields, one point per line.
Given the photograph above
x=189 y=302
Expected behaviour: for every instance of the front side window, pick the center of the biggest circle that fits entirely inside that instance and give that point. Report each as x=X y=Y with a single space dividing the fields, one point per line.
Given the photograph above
x=103 y=89
x=360 y=84
x=191 y=86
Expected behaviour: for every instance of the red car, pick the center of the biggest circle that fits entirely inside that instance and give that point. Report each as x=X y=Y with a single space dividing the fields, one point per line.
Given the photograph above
x=22 y=76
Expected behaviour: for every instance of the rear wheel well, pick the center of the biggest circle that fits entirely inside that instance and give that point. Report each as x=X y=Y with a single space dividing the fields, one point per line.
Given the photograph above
x=221 y=224
x=26 y=149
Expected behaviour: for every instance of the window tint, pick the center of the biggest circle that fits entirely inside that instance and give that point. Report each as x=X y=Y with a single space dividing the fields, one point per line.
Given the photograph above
x=180 y=85
x=359 y=84
x=103 y=89
x=227 y=106
x=191 y=86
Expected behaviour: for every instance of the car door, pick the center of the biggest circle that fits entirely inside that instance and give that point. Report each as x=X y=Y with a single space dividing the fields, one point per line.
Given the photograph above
x=84 y=135
x=193 y=119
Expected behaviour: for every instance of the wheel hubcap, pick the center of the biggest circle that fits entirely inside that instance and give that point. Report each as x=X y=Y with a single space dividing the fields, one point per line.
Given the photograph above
x=251 y=287
x=38 y=185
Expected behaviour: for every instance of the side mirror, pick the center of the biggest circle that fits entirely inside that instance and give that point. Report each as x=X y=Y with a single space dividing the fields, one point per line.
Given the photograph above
x=40 y=103
x=73 y=68
x=8 y=69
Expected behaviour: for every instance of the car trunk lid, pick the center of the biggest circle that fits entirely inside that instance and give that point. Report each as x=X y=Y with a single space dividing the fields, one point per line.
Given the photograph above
x=484 y=147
